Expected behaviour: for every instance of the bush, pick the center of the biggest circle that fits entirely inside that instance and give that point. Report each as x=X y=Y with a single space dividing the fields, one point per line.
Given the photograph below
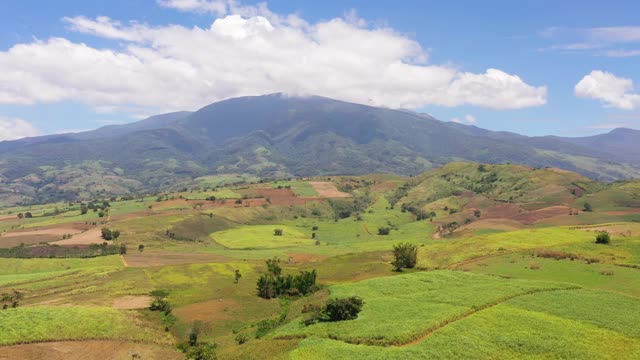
x=340 y=309
x=384 y=231
x=405 y=256
x=107 y=234
x=603 y=238
x=278 y=232
x=587 y=207
x=241 y=339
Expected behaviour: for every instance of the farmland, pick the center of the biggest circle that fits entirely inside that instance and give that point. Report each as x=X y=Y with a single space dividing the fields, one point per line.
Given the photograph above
x=507 y=267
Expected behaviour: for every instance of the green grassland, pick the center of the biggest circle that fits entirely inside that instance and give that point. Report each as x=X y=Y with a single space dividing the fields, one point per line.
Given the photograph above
x=37 y=324
x=487 y=292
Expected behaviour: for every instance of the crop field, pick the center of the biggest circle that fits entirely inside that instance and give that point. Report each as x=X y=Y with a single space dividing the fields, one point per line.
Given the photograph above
x=507 y=266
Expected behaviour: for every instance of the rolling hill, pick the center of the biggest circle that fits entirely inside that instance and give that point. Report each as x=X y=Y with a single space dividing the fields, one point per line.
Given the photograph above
x=277 y=136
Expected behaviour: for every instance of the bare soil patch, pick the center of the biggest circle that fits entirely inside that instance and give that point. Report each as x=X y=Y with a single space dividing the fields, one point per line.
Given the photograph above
x=534 y=216
x=132 y=302
x=84 y=350
x=91 y=236
x=13 y=241
x=502 y=211
x=302 y=258
x=149 y=259
x=284 y=197
x=218 y=309
x=328 y=189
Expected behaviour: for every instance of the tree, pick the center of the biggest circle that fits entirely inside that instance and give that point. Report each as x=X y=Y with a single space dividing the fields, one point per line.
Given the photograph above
x=115 y=234
x=123 y=249
x=237 y=276
x=265 y=287
x=83 y=209
x=28 y=215
x=587 y=207
x=278 y=232
x=603 y=238
x=202 y=351
x=340 y=309
x=160 y=302
x=20 y=215
x=384 y=231
x=273 y=266
x=477 y=213
x=405 y=256
x=141 y=248
x=107 y=234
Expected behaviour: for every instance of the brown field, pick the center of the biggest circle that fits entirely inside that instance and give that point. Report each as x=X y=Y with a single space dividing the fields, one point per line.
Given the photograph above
x=614 y=229
x=284 y=197
x=218 y=309
x=31 y=237
x=88 y=350
x=148 y=259
x=301 y=258
x=91 y=236
x=132 y=302
x=502 y=211
x=534 y=216
x=328 y=189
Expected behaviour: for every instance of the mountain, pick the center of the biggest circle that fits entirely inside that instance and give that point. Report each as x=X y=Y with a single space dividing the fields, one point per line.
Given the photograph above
x=279 y=136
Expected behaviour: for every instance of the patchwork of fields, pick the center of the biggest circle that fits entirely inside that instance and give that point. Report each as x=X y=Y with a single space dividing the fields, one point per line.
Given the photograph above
x=507 y=267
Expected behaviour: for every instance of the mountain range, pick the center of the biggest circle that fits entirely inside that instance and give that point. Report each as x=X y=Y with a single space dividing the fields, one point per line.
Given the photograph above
x=277 y=136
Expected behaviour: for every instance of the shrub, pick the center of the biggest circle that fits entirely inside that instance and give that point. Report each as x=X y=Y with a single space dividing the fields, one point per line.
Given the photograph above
x=603 y=238
x=107 y=234
x=587 y=207
x=405 y=256
x=340 y=309
x=384 y=231
x=278 y=232
x=315 y=228
x=241 y=339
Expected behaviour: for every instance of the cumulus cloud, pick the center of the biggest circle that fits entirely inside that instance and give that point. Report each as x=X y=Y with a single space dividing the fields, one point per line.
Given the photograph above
x=613 y=91
x=13 y=128
x=251 y=52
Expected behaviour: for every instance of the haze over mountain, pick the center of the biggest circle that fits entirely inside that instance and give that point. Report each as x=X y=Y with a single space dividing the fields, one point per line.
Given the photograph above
x=280 y=136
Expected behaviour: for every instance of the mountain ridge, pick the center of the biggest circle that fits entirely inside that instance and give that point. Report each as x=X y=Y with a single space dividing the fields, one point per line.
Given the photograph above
x=278 y=136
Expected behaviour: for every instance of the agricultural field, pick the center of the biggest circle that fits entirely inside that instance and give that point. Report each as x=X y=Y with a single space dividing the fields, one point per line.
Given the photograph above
x=506 y=266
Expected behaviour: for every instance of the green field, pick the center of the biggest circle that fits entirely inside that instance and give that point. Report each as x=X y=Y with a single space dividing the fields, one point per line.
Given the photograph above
x=515 y=276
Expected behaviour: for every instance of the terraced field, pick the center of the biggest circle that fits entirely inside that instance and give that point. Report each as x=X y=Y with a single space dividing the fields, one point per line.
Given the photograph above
x=503 y=270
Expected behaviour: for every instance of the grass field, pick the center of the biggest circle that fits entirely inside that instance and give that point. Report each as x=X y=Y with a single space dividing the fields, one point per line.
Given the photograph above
x=37 y=324
x=490 y=290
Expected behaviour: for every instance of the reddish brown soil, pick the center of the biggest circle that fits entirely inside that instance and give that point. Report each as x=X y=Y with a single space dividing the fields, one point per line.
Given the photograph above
x=502 y=211
x=219 y=309
x=85 y=350
x=532 y=217
x=328 y=189
x=91 y=236
x=301 y=258
x=8 y=241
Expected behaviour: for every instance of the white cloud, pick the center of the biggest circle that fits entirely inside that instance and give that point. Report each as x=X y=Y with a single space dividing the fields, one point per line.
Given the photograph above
x=613 y=41
x=613 y=91
x=13 y=128
x=467 y=119
x=176 y=68
x=218 y=7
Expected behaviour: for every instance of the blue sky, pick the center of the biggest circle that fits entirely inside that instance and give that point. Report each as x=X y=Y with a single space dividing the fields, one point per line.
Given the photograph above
x=562 y=67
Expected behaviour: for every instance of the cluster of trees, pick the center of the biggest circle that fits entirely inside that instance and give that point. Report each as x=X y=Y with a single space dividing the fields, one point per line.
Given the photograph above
x=274 y=284
x=109 y=234
x=11 y=299
x=101 y=207
x=26 y=215
x=419 y=213
x=343 y=209
x=405 y=256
